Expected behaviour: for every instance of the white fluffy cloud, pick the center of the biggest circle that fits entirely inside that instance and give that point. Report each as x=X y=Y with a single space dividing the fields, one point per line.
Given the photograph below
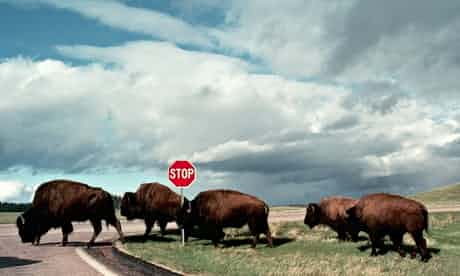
x=142 y=104
x=13 y=191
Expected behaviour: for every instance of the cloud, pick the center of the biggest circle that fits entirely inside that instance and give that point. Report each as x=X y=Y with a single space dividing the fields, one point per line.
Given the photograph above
x=13 y=191
x=134 y=107
x=119 y=15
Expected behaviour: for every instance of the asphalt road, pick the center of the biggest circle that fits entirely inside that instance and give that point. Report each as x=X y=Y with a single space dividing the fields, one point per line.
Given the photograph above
x=51 y=259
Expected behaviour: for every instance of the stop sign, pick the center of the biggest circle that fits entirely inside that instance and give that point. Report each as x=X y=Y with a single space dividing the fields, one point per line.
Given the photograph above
x=182 y=173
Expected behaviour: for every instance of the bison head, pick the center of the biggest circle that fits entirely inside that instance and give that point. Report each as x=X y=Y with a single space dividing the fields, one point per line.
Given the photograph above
x=353 y=215
x=130 y=207
x=185 y=215
x=312 y=215
x=30 y=224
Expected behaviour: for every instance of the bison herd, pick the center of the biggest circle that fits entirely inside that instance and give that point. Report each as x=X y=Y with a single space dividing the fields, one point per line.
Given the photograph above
x=58 y=203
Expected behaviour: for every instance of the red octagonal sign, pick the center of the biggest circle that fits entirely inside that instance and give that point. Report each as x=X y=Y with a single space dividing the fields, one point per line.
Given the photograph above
x=182 y=173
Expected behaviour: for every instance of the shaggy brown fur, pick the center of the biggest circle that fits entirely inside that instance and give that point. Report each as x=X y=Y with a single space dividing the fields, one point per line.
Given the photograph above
x=151 y=202
x=393 y=215
x=58 y=203
x=217 y=209
x=331 y=211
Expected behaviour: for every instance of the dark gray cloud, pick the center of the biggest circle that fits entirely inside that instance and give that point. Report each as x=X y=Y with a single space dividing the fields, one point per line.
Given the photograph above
x=368 y=21
x=379 y=97
x=343 y=123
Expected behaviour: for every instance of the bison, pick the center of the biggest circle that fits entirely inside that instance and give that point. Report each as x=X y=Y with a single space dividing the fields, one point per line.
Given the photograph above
x=151 y=202
x=331 y=211
x=214 y=210
x=385 y=214
x=58 y=203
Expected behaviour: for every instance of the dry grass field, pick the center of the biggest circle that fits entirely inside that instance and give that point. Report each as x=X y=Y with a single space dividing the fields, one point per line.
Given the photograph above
x=302 y=251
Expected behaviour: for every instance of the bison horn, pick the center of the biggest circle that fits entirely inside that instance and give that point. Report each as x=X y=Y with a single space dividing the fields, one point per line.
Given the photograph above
x=189 y=209
x=21 y=218
x=182 y=202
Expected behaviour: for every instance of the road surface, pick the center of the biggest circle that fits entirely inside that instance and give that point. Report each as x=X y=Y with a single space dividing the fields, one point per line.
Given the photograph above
x=51 y=259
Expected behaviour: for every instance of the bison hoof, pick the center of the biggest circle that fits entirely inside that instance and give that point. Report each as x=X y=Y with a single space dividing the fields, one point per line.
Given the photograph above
x=402 y=254
x=413 y=255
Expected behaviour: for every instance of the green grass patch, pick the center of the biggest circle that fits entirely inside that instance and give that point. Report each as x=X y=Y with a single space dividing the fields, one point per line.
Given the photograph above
x=444 y=195
x=8 y=217
x=301 y=251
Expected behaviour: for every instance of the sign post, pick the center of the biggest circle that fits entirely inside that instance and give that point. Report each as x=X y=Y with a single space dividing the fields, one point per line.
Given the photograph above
x=182 y=173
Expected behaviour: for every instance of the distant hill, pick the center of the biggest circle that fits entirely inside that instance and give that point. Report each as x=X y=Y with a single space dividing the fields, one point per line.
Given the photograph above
x=444 y=195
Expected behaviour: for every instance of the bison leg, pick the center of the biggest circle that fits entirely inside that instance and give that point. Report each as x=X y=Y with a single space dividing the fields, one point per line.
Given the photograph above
x=257 y=229
x=375 y=242
x=397 y=239
x=268 y=234
x=342 y=235
x=353 y=235
x=117 y=226
x=66 y=228
x=255 y=240
x=421 y=245
x=148 y=226
x=36 y=241
x=217 y=236
x=97 y=230
x=162 y=224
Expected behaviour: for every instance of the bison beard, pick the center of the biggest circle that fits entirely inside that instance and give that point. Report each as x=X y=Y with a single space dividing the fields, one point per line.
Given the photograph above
x=331 y=211
x=60 y=202
x=385 y=214
x=151 y=202
x=217 y=209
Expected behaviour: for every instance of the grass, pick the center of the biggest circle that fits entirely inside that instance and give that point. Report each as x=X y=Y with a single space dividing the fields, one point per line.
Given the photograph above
x=300 y=251
x=445 y=195
x=8 y=217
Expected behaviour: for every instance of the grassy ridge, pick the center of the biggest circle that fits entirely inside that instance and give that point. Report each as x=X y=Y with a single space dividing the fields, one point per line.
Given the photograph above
x=444 y=195
x=301 y=251
x=8 y=217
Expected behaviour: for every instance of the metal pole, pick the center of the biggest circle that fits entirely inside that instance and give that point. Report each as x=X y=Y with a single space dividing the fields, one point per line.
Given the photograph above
x=182 y=228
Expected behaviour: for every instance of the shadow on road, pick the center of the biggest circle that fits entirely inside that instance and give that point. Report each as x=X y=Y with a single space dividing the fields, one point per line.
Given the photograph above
x=13 y=261
x=76 y=244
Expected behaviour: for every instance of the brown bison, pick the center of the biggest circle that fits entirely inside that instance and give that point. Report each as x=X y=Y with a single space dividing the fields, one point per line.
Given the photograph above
x=217 y=209
x=58 y=203
x=331 y=211
x=151 y=202
x=393 y=215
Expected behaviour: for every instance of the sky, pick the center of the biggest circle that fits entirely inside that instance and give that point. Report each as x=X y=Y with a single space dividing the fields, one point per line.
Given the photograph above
x=288 y=101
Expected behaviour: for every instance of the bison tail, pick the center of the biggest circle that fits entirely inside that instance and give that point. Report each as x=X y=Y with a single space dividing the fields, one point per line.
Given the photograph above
x=425 y=219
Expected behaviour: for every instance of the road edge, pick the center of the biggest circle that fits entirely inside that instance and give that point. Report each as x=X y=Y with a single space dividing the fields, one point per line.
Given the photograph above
x=118 y=246
x=95 y=264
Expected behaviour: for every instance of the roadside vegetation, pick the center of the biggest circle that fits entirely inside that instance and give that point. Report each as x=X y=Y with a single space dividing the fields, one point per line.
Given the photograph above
x=301 y=251
x=8 y=217
x=448 y=196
